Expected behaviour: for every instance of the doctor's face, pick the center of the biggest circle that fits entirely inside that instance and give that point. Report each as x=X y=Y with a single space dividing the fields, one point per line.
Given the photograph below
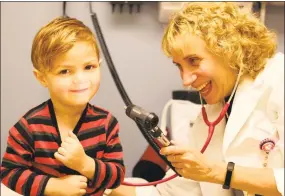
x=209 y=74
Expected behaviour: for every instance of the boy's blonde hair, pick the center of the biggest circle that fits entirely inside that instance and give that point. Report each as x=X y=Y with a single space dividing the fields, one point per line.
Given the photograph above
x=229 y=32
x=57 y=37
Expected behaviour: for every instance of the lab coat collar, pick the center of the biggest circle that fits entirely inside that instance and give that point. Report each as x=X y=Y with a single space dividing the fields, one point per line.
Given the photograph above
x=245 y=100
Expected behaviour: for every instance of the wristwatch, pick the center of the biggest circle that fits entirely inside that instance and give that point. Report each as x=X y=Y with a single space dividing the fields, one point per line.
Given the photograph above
x=230 y=169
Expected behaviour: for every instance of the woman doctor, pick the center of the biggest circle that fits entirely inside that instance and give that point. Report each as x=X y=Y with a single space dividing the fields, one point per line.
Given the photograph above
x=229 y=57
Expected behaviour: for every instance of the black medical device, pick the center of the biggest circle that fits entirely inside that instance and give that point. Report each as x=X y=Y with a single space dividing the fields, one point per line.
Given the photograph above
x=149 y=121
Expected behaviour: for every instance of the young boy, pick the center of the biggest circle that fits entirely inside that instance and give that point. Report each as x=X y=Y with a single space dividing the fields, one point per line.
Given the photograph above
x=65 y=146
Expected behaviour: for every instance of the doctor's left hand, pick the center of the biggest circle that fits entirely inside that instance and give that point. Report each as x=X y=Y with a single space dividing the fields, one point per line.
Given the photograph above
x=71 y=153
x=190 y=163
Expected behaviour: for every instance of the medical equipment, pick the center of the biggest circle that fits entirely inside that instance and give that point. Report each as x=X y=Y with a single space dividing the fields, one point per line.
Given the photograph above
x=64 y=9
x=125 y=97
x=145 y=120
x=122 y=4
x=149 y=121
x=223 y=113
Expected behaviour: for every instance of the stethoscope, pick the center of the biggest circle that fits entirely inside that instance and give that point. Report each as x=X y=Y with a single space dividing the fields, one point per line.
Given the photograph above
x=223 y=113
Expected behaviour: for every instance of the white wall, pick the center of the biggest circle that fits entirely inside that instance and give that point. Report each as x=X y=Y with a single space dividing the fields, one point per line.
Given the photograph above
x=275 y=20
x=134 y=43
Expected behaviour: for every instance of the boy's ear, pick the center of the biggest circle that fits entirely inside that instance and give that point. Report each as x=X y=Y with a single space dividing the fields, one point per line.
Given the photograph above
x=40 y=77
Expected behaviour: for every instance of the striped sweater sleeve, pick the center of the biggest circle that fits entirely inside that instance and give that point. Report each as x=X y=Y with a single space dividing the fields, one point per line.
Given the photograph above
x=110 y=170
x=17 y=161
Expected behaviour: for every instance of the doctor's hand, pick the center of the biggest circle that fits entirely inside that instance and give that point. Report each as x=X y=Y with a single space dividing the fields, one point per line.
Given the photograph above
x=71 y=153
x=191 y=163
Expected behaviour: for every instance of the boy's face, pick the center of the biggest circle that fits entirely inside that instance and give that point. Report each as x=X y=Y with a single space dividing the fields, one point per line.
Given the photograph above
x=75 y=76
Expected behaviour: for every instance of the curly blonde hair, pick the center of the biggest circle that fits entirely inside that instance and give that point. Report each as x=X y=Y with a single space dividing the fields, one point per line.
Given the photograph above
x=228 y=31
x=57 y=37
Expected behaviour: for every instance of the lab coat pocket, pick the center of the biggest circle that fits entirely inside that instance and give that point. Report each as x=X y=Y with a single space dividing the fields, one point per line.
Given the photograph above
x=265 y=129
x=260 y=127
x=253 y=133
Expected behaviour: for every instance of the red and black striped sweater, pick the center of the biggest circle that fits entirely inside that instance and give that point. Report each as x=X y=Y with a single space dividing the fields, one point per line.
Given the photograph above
x=29 y=161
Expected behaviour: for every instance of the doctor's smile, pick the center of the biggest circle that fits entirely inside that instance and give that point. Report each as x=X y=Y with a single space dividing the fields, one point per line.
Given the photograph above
x=205 y=88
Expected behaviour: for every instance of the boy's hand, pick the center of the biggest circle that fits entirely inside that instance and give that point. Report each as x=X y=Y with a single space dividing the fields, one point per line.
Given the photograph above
x=71 y=153
x=71 y=185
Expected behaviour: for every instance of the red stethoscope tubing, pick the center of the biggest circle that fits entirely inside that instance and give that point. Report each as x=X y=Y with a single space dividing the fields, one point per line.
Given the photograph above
x=212 y=125
x=211 y=129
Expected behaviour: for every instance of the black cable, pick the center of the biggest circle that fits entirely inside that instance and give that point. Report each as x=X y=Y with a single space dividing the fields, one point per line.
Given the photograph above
x=109 y=60
x=64 y=9
x=119 y=85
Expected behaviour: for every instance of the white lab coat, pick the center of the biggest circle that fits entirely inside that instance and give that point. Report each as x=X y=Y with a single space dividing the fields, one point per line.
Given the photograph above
x=257 y=113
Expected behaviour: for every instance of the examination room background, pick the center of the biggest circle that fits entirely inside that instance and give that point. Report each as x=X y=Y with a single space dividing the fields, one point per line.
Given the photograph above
x=134 y=42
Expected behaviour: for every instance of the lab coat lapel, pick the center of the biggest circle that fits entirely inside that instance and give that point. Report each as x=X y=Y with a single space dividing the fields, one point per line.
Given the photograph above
x=245 y=100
